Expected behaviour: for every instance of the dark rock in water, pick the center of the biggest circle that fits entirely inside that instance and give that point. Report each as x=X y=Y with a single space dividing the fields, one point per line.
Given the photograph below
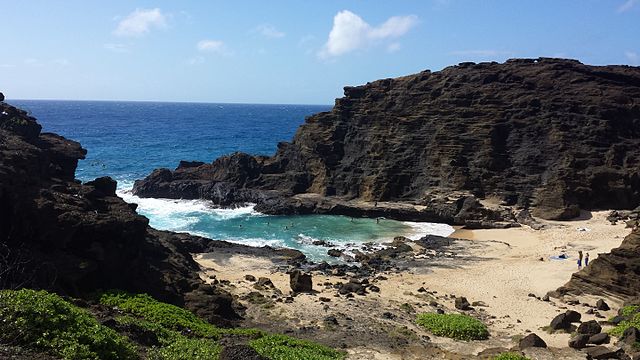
x=590 y=327
x=300 y=282
x=240 y=352
x=616 y=273
x=334 y=252
x=599 y=339
x=106 y=186
x=579 y=341
x=553 y=134
x=602 y=305
x=631 y=335
x=531 y=340
x=461 y=303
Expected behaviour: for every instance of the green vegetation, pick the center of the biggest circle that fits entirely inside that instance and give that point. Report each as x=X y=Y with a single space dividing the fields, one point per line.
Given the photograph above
x=46 y=322
x=281 y=347
x=455 y=326
x=632 y=318
x=510 y=356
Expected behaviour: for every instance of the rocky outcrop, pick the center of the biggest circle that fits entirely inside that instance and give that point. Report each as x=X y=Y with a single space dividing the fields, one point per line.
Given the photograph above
x=551 y=134
x=73 y=238
x=616 y=273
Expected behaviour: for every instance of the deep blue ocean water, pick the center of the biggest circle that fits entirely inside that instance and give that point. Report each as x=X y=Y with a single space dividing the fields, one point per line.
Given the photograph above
x=127 y=140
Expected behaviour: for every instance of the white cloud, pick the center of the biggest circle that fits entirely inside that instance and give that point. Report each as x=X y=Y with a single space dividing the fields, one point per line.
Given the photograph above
x=118 y=48
x=61 y=62
x=269 y=31
x=211 y=46
x=32 y=62
x=393 y=47
x=633 y=57
x=140 y=22
x=350 y=32
x=627 y=5
x=7 y=66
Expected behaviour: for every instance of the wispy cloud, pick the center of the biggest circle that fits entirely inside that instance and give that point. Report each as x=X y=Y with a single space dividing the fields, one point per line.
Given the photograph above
x=61 y=62
x=117 y=48
x=481 y=53
x=627 y=5
x=350 y=32
x=7 y=65
x=633 y=57
x=196 y=60
x=140 y=22
x=269 y=31
x=211 y=46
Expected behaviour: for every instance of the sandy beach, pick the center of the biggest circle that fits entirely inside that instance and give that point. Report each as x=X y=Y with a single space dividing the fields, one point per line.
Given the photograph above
x=499 y=267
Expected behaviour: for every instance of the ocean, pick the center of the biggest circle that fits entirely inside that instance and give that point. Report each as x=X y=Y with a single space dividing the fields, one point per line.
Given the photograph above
x=127 y=140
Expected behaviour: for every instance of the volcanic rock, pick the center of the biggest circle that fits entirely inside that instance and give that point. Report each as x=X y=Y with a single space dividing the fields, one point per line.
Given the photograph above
x=602 y=305
x=590 y=327
x=579 y=341
x=554 y=135
x=631 y=335
x=599 y=339
x=531 y=340
x=300 y=282
x=461 y=303
x=1 y=96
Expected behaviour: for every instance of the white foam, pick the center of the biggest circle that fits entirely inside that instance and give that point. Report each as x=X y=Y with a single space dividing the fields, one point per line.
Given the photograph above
x=421 y=229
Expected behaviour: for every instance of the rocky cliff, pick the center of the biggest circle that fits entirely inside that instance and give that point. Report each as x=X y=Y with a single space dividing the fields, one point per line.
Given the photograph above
x=75 y=239
x=552 y=134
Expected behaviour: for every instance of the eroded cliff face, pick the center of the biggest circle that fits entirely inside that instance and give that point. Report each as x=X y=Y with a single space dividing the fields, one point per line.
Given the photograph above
x=551 y=134
x=616 y=273
x=75 y=239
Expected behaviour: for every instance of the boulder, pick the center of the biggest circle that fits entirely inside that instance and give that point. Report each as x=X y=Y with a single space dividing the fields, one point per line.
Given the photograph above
x=1 y=96
x=579 y=341
x=599 y=339
x=603 y=352
x=590 y=327
x=461 y=303
x=563 y=321
x=602 y=305
x=300 y=282
x=334 y=252
x=531 y=340
x=573 y=316
x=631 y=335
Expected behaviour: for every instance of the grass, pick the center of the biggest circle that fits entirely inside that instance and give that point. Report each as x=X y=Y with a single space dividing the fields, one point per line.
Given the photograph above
x=46 y=322
x=510 y=356
x=455 y=326
x=282 y=347
x=632 y=318
x=184 y=348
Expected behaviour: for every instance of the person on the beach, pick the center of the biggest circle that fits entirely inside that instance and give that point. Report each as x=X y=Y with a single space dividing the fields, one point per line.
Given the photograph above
x=580 y=259
x=586 y=260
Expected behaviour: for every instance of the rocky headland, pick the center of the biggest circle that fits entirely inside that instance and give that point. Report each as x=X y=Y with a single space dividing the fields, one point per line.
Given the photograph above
x=551 y=135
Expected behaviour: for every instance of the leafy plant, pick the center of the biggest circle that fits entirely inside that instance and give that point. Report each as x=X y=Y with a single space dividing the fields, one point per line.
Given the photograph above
x=46 y=322
x=455 y=326
x=183 y=348
x=632 y=318
x=510 y=356
x=282 y=347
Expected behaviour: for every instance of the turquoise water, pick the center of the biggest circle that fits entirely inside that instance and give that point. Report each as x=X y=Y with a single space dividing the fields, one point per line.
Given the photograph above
x=127 y=140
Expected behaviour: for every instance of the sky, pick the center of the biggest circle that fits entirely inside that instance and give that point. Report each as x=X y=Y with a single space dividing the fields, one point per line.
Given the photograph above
x=285 y=52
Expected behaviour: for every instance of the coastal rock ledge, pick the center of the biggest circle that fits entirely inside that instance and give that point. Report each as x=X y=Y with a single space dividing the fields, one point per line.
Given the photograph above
x=553 y=135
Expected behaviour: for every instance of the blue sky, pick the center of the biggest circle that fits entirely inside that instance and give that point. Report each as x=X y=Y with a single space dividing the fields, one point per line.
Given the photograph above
x=299 y=52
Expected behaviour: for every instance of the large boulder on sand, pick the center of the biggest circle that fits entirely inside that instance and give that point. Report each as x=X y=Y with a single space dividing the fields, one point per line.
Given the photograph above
x=590 y=327
x=461 y=303
x=300 y=282
x=579 y=341
x=531 y=340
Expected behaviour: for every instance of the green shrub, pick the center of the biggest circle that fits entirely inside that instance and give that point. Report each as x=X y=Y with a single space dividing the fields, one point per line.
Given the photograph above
x=183 y=348
x=281 y=347
x=46 y=322
x=632 y=315
x=510 y=356
x=169 y=316
x=455 y=326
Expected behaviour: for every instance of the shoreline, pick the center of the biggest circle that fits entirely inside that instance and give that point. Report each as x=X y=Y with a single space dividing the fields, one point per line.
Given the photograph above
x=498 y=267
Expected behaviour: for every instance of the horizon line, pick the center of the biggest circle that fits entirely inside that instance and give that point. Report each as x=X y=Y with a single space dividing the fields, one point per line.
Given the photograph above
x=8 y=100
